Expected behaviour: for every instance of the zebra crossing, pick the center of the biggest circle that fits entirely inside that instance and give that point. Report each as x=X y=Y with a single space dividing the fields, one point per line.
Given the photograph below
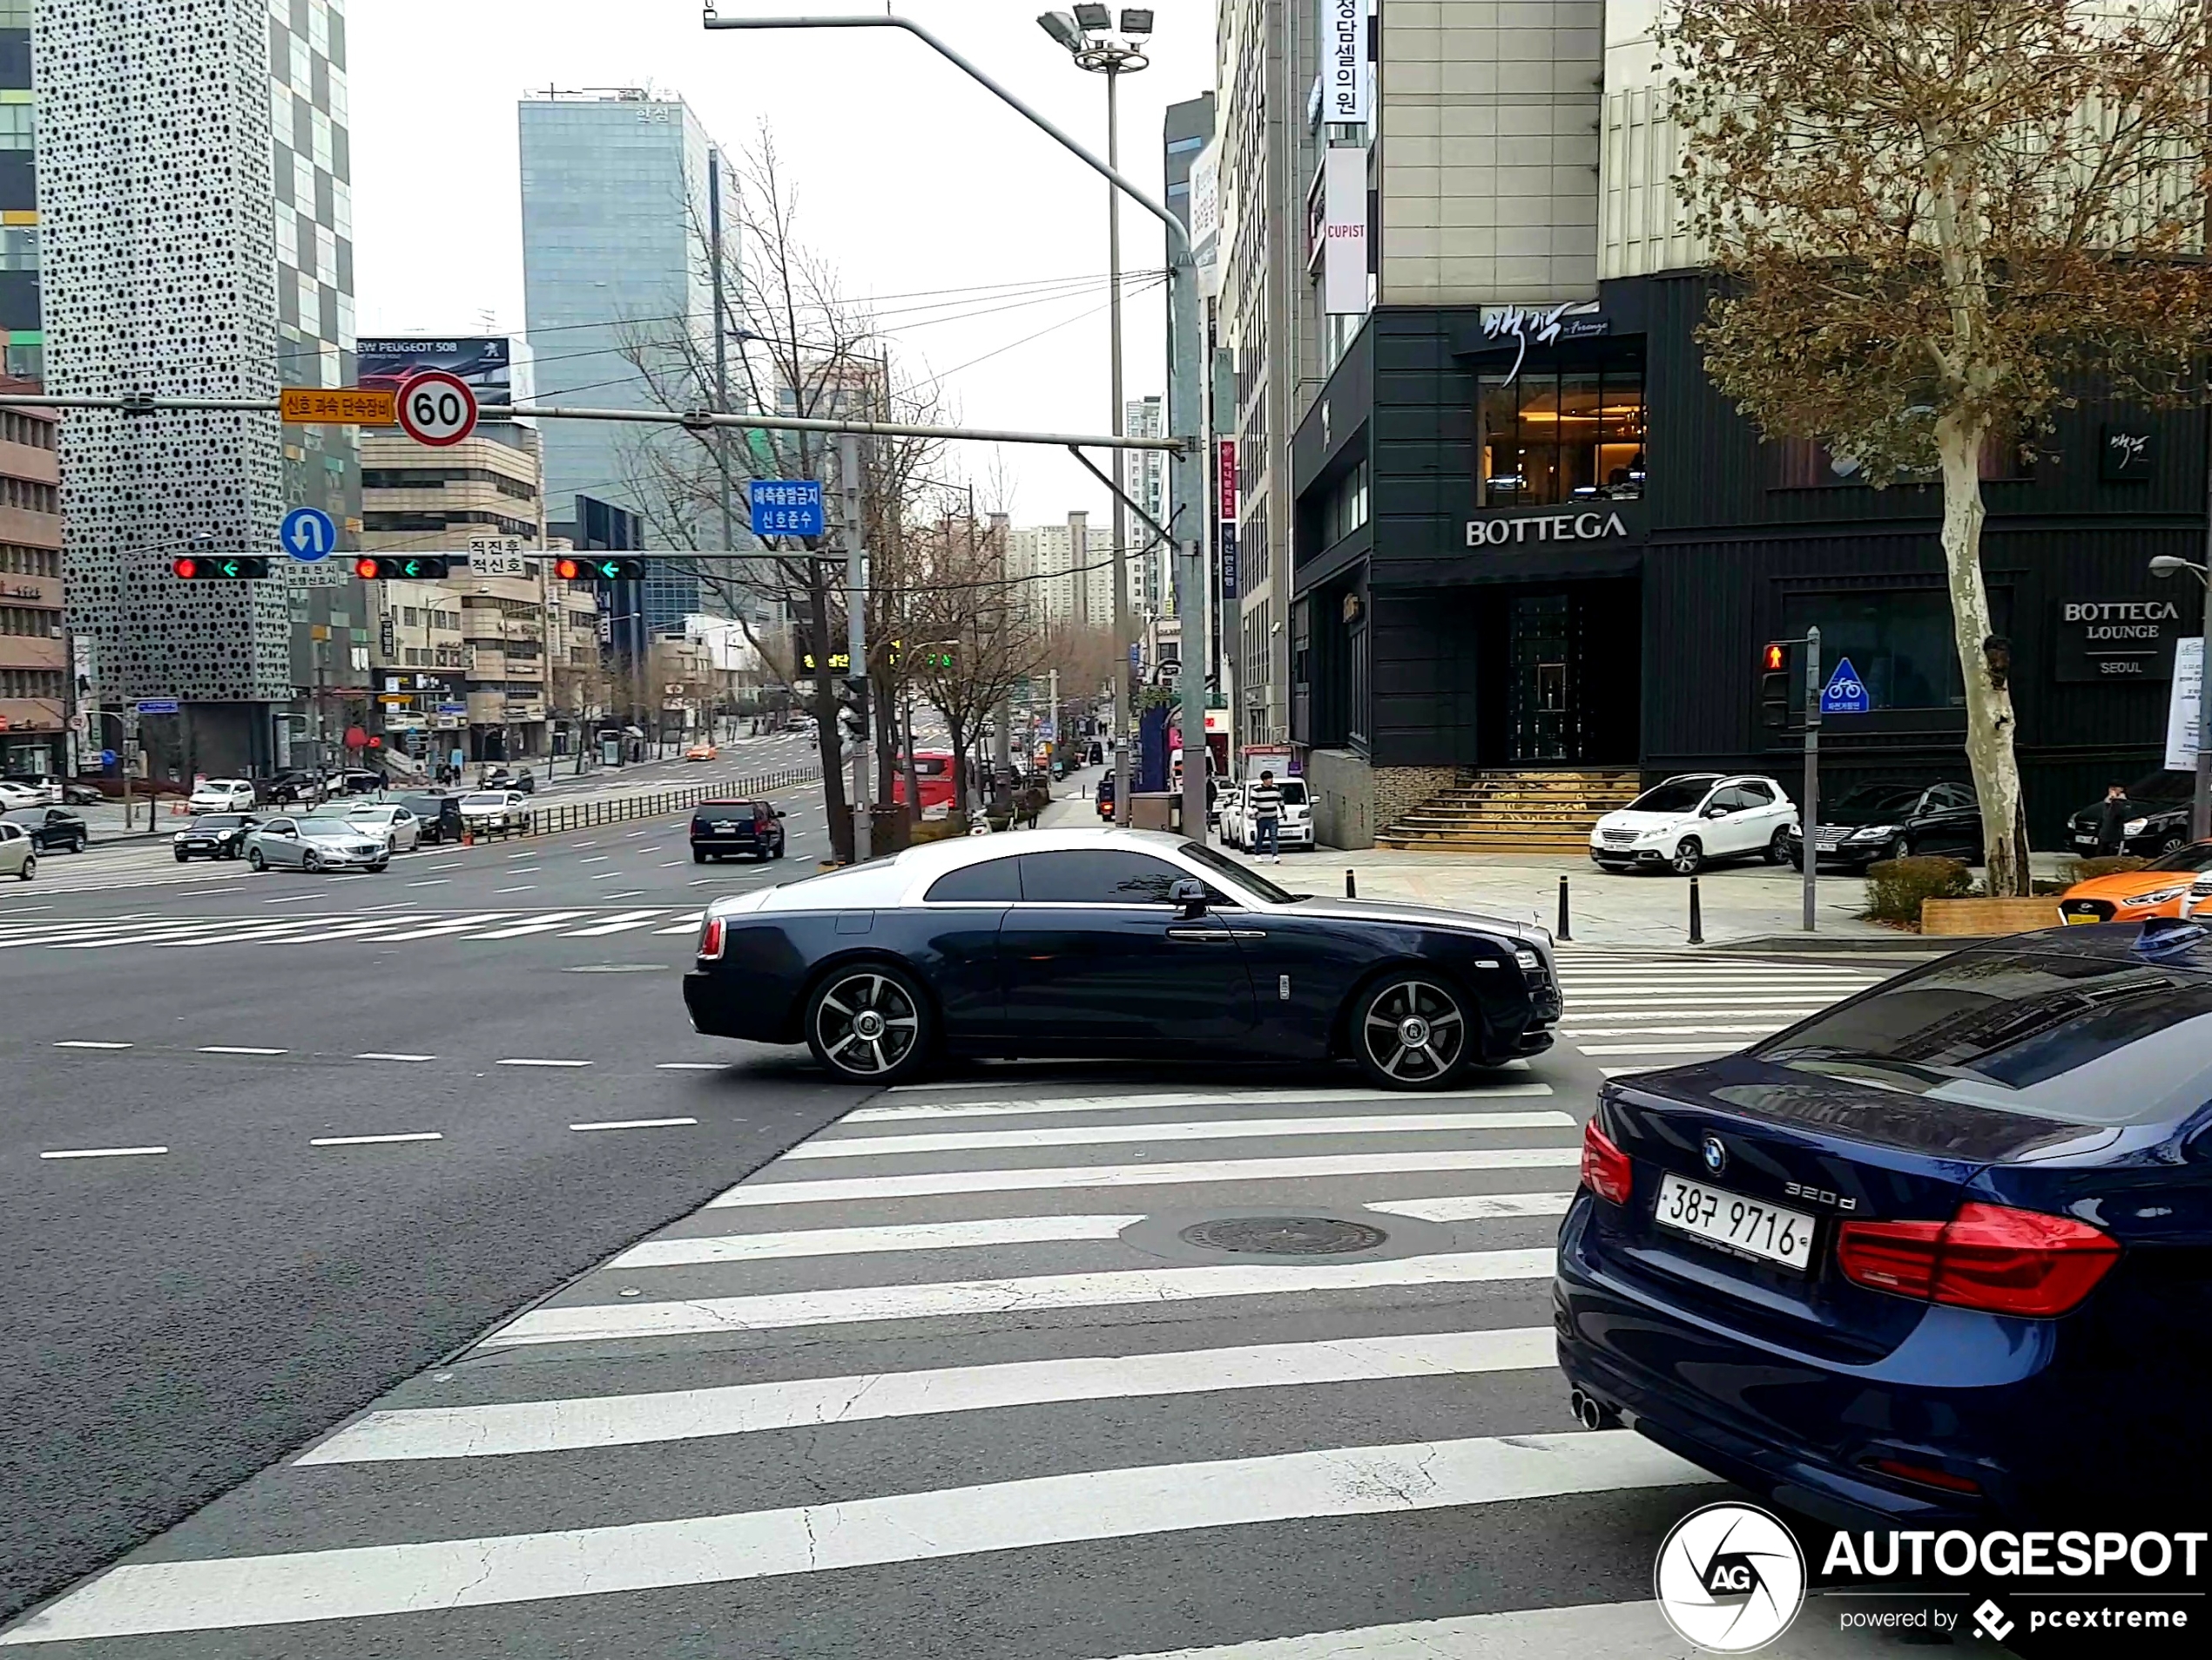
x=1630 y=1011
x=161 y=931
x=1057 y=1371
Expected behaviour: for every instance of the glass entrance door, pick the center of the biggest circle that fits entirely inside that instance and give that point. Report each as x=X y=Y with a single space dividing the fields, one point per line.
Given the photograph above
x=1541 y=706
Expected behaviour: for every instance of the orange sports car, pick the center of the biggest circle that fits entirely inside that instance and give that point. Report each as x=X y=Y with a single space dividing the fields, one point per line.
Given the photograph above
x=2156 y=890
x=700 y=752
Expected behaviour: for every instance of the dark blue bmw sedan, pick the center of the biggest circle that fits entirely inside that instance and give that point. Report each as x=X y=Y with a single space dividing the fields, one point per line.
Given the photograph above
x=1942 y=1252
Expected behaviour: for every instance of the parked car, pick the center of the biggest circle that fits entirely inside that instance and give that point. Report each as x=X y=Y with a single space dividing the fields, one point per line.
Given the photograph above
x=1685 y=823
x=401 y=830
x=46 y=789
x=1897 y=1262
x=213 y=835
x=315 y=843
x=494 y=812
x=499 y=779
x=293 y=788
x=437 y=818
x=82 y=796
x=2160 y=888
x=701 y=752
x=222 y=795
x=1096 y=942
x=2162 y=824
x=18 y=852
x=1874 y=821
x=722 y=828
x=1293 y=829
x=357 y=781
x=50 y=828
x=15 y=797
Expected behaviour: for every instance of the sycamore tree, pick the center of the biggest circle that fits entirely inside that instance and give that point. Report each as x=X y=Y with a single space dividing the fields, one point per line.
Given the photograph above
x=1939 y=221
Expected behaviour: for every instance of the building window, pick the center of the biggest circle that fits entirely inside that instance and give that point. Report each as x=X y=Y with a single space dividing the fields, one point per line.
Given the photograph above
x=1551 y=437
x=1345 y=508
x=1899 y=640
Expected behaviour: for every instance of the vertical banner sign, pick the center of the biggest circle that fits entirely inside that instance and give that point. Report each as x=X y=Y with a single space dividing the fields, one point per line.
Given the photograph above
x=2182 y=737
x=1205 y=218
x=1344 y=60
x=1226 y=511
x=1344 y=231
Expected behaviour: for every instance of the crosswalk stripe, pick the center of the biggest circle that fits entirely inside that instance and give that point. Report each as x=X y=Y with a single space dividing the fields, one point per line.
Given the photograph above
x=1617 y=1630
x=1164 y=1175
x=1211 y=1129
x=358 y=1582
x=1657 y=1049
x=1288 y=1095
x=745 y=1408
x=621 y=922
x=352 y=930
x=453 y=925
x=1477 y=1207
x=1766 y=1029
x=551 y=919
x=838 y=1242
x=1734 y=1000
x=852 y=1304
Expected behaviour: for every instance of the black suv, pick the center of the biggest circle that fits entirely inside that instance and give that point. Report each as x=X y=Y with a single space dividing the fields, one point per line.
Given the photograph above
x=440 y=815
x=2162 y=820
x=1875 y=821
x=720 y=828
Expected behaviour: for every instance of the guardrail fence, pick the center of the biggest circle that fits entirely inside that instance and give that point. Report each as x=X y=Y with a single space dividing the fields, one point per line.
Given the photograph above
x=551 y=820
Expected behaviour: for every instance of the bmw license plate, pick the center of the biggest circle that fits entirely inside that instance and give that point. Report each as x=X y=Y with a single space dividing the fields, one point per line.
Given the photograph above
x=1828 y=847
x=1749 y=1227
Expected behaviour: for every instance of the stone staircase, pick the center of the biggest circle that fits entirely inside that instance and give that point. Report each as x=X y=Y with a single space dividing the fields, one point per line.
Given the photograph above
x=1520 y=810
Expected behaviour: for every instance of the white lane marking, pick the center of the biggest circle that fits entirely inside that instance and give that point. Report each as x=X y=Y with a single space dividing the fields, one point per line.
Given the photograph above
x=844 y=1242
x=435 y=881
x=1163 y=1175
x=102 y=1153
x=670 y=864
x=374 y=1141
x=237 y=1048
x=637 y=1123
x=391 y=1055
x=456 y=865
x=88 y=1042
x=608 y=876
x=774 y=1311
x=1578 y=1033
x=1618 y=1630
x=948 y=1141
x=642 y=852
x=551 y=920
x=745 y=1408
x=357 y=1582
x=289 y=898
x=451 y=925
x=1477 y=1207
x=689 y=1066
x=529 y=852
x=615 y=924
x=1657 y=1049
x=627 y=893
x=593 y=843
x=595 y=859
x=698 y=882
x=631 y=836
x=526 y=887
x=910 y=1111
x=527 y=1061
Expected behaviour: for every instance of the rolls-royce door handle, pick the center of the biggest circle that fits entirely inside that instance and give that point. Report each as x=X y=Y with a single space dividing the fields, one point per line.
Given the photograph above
x=1203 y=936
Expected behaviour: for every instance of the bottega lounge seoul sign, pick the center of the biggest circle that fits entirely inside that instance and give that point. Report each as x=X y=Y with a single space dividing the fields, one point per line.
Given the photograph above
x=1589 y=525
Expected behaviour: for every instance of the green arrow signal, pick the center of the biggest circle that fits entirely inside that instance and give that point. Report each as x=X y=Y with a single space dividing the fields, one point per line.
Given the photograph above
x=230 y=567
x=410 y=567
x=609 y=568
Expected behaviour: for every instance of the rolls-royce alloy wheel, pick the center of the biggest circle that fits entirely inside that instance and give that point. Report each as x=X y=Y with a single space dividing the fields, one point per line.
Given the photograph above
x=869 y=1023
x=1411 y=1033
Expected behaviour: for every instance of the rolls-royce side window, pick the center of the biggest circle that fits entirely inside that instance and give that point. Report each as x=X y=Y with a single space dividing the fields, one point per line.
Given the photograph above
x=992 y=880
x=1096 y=878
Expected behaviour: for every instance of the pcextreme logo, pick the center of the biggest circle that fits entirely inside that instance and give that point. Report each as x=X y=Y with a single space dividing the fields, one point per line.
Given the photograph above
x=1729 y=1578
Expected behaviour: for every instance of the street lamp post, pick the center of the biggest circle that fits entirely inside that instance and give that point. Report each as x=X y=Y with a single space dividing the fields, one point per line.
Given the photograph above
x=2168 y=564
x=1085 y=35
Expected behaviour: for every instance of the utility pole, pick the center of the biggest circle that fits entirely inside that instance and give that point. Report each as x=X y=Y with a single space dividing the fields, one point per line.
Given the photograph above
x=1124 y=691
x=1808 y=837
x=856 y=629
x=721 y=340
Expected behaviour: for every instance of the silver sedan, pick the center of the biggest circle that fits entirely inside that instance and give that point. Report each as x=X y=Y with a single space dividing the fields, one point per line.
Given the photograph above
x=316 y=844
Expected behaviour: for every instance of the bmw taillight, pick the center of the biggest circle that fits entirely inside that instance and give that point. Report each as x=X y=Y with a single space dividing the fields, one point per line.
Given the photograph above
x=711 y=938
x=1988 y=1257
x=1605 y=1167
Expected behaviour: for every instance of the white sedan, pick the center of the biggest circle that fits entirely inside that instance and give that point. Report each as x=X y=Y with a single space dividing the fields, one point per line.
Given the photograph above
x=401 y=830
x=494 y=812
x=222 y=795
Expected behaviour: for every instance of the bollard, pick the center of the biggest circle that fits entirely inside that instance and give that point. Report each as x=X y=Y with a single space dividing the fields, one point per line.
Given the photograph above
x=1351 y=888
x=1561 y=931
x=1696 y=920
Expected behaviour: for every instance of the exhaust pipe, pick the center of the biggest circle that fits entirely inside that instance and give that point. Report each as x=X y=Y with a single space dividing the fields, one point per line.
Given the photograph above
x=1590 y=1411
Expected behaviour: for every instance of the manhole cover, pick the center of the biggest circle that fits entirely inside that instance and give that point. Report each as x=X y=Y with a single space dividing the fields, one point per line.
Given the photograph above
x=1283 y=1236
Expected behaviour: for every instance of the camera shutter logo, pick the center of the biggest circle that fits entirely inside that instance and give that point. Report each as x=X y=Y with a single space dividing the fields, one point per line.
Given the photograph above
x=1729 y=1578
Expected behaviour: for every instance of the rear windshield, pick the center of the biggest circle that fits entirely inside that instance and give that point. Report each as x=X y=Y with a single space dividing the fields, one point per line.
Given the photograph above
x=219 y=821
x=726 y=810
x=2196 y=856
x=425 y=806
x=483 y=800
x=2079 y=1039
x=1676 y=795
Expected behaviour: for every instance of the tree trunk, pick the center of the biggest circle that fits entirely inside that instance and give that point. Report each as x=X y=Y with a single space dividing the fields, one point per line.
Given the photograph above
x=1990 y=723
x=828 y=729
x=913 y=769
x=958 y=732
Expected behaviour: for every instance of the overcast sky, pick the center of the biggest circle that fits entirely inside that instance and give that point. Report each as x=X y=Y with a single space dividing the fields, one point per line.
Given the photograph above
x=911 y=179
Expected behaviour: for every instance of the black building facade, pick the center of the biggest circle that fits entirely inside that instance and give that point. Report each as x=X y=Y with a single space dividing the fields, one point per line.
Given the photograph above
x=1544 y=540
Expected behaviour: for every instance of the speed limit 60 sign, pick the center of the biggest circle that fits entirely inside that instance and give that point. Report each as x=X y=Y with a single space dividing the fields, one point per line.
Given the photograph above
x=437 y=409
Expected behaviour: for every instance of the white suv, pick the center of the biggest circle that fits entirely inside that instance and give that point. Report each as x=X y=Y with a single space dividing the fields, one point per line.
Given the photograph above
x=1688 y=821
x=222 y=795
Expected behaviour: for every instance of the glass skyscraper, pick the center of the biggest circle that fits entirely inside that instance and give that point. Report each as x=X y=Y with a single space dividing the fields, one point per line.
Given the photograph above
x=615 y=218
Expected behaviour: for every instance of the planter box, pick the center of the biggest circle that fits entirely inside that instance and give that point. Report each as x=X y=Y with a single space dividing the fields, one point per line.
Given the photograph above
x=1980 y=917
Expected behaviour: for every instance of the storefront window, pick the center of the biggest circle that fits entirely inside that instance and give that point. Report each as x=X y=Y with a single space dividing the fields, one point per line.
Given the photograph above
x=1899 y=641
x=1562 y=435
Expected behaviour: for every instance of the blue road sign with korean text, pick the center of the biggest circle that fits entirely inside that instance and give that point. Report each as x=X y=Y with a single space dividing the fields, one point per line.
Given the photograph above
x=155 y=706
x=787 y=506
x=308 y=534
x=1845 y=693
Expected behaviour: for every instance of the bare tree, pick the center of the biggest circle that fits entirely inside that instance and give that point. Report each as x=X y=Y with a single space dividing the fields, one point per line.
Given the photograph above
x=1938 y=218
x=977 y=639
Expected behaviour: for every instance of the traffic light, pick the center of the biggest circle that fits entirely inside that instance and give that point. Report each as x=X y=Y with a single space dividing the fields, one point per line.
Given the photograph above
x=413 y=568
x=599 y=570
x=219 y=567
x=853 y=708
x=940 y=659
x=1774 y=686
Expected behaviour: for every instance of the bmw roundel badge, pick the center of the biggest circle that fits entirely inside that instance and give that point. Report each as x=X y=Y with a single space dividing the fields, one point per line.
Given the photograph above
x=1715 y=1155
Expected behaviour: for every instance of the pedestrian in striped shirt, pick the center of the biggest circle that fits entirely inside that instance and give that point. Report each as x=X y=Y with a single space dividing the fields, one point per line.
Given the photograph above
x=1266 y=805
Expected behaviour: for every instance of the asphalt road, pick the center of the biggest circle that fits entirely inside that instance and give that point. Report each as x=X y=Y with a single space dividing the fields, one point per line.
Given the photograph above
x=178 y=1319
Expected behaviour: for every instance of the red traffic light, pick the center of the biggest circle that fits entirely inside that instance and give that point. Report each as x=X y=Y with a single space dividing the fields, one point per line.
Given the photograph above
x=185 y=568
x=1778 y=657
x=366 y=569
x=568 y=569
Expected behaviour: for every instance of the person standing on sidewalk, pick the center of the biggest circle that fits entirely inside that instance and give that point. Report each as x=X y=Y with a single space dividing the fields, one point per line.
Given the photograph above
x=1266 y=805
x=2112 y=813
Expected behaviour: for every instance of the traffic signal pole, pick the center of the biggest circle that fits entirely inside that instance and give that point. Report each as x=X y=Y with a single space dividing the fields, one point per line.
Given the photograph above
x=856 y=629
x=1808 y=837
